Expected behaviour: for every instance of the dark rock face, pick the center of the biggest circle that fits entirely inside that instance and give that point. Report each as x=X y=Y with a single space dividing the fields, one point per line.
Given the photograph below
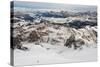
x=54 y=41
x=79 y=43
x=27 y=17
x=40 y=32
x=16 y=43
x=95 y=33
x=72 y=42
x=41 y=28
x=81 y=24
x=33 y=36
x=24 y=48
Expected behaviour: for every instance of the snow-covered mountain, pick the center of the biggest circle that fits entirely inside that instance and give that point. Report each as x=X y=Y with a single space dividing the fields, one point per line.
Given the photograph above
x=70 y=34
x=45 y=33
x=50 y=42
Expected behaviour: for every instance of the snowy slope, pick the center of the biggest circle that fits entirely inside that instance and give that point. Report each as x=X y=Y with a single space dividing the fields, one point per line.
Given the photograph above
x=47 y=40
x=52 y=54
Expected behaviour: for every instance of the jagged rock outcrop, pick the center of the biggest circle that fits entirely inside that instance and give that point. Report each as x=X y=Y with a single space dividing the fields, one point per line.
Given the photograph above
x=76 y=33
x=33 y=36
x=16 y=43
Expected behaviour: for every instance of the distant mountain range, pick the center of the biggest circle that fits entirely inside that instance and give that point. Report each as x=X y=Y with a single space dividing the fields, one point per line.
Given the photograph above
x=42 y=5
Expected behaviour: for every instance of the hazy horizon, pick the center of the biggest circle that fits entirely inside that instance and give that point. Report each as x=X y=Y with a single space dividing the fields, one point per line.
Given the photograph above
x=43 y=5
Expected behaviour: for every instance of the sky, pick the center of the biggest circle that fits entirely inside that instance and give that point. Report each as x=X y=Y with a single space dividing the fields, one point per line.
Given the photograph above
x=44 y=5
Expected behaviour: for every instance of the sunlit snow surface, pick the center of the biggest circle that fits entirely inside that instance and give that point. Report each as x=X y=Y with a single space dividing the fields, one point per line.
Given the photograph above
x=53 y=54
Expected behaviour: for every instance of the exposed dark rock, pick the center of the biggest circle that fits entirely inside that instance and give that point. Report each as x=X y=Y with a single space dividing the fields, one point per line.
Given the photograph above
x=54 y=41
x=79 y=43
x=95 y=33
x=41 y=28
x=81 y=24
x=16 y=42
x=33 y=36
x=72 y=42
x=24 y=48
x=27 y=17
x=43 y=33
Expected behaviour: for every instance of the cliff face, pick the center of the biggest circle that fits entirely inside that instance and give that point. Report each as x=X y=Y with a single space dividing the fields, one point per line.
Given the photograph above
x=68 y=29
x=45 y=42
x=56 y=34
